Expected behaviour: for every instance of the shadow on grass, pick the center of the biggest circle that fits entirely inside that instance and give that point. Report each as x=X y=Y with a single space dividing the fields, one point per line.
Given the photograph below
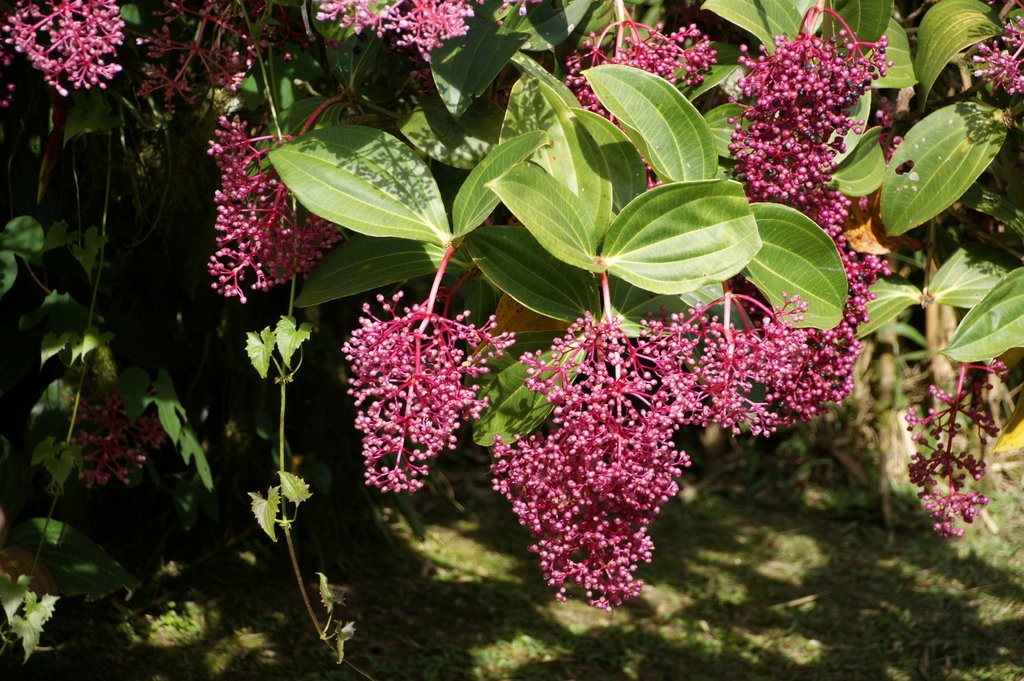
x=739 y=589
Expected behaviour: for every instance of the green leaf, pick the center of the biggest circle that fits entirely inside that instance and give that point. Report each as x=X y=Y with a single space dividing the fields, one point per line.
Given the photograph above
x=461 y=144
x=867 y=19
x=626 y=168
x=260 y=348
x=88 y=250
x=342 y=633
x=901 y=73
x=23 y=236
x=721 y=129
x=90 y=112
x=994 y=325
x=552 y=213
x=893 y=294
x=265 y=510
x=970 y=273
x=851 y=140
x=862 y=171
x=294 y=488
x=361 y=263
x=192 y=453
x=133 y=383
x=475 y=201
x=764 y=18
x=12 y=593
x=949 y=149
x=799 y=259
x=366 y=180
x=59 y=458
x=948 y=27
x=512 y=408
x=985 y=200
x=467 y=64
x=667 y=129
x=678 y=237
x=8 y=271
x=548 y=27
x=29 y=627
x=515 y=263
x=530 y=66
x=289 y=337
x=78 y=565
x=167 y=405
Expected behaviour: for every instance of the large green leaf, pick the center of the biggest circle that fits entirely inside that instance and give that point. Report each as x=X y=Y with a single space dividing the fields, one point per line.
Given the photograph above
x=552 y=213
x=678 y=237
x=361 y=263
x=475 y=201
x=548 y=27
x=947 y=28
x=626 y=168
x=997 y=205
x=78 y=565
x=514 y=262
x=861 y=172
x=901 y=73
x=462 y=143
x=467 y=64
x=512 y=407
x=764 y=18
x=671 y=133
x=949 y=149
x=867 y=19
x=969 y=274
x=799 y=259
x=893 y=294
x=721 y=128
x=366 y=180
x=994 y=325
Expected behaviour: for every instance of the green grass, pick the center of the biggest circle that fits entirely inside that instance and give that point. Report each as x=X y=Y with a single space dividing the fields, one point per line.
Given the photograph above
x=740 y=588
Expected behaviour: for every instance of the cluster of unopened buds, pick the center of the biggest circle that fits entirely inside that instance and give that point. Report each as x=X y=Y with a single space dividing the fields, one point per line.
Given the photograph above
x=942 y=464
x=1002 y=62
x=112 y=445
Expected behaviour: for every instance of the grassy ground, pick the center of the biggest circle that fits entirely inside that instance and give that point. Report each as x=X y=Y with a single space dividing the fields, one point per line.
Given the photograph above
x=741 y=587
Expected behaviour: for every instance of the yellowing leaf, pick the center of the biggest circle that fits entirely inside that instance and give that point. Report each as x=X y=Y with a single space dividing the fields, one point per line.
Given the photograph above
x=511 y=316
x=1012 y=436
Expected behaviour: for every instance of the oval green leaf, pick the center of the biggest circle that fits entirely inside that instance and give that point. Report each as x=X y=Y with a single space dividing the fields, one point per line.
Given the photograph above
x=985 y=200
x=799 y=259
x=678 y=237
x=548 y=27
x=862 y=171
x=949 y=149
x=893 y=294
x=462 y=143
x=764 y=18
x=475 y=201
x=552 y=213
x=672 y=135
x=947 y=28
x=994 y=325
x=901 y=73
x=514 y=262
x=626 y=168
x=362 y=263
x=969 y=274
x=366 y=180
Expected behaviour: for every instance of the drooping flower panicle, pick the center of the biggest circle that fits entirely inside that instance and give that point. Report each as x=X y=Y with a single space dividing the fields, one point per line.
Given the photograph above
x=112 y=445
x=72 y=42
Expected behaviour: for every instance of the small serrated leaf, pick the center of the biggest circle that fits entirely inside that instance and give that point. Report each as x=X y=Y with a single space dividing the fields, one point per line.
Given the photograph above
x=294 y=488
x=12 y=593
x=343 y=633
x=30 y=626
x=260 y=348
x=266 y=509
x=289 y=338
x=326 y=595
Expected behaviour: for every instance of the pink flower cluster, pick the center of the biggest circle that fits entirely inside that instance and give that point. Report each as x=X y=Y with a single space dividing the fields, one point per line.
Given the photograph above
x=113 y=446
x=1003 y=69
x=71 y=42
x=208 y=43
x=682 y=56
x=940 y=469
x=588 y=488
x=409 y=379
x=785 y=142
x=6 y=89
x=260 y=232
x=420 y=24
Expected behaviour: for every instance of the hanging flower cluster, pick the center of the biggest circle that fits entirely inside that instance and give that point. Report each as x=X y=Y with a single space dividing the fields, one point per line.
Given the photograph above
x=112 y=445
x=1003 y=67
x=72 y=42
x=260 y=233
x=942 y=466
